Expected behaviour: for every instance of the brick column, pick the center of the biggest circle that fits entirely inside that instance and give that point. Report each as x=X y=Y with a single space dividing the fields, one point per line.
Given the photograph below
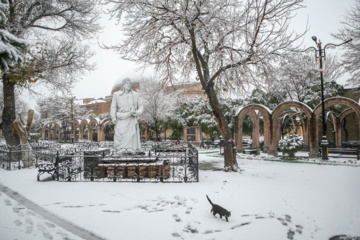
x=313 y=137
x=255 y=132
x=101 y=133
x=267 y=137
x=338 y=143
x=90 y=132
x=305 y=130
x=59 y=136
x=146 y=135
x=81 y=132
x=275 y=137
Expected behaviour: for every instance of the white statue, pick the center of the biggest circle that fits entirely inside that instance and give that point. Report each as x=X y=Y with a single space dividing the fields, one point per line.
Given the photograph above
x=126 y=107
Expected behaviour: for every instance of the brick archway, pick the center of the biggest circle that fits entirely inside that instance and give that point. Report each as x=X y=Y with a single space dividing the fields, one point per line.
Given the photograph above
x=101 y=129
x=52 y=128
x=93 y=123
x=76 y=125
x=345 y=113
x=253 y=111
x=43 y=132
x=352 y=107
x=276 y=125
x=305 y=128
x=83 y=123
x=310 y=124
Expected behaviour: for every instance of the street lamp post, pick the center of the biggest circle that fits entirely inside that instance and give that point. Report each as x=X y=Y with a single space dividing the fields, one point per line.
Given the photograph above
x=72 y=120
x=320 y=54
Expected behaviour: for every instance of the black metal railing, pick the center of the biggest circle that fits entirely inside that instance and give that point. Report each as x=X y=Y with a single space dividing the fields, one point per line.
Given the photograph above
x=158 y=165
x=157 y=162
x=12 y=158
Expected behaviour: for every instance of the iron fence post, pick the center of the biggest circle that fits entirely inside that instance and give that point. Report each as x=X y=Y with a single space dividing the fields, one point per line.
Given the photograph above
x=19 y=164
x=10 y=158
x=36 y=156
x=57 y=165
x=137 y=170
x=197 y=165
x=186 y=151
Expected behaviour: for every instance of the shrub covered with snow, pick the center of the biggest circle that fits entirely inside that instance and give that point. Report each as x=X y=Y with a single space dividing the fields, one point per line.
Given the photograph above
x=291 y=144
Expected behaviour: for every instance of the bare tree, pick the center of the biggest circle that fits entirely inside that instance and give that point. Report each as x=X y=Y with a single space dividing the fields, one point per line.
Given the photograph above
x=227 y=44
x=159 y=104
x=351 y=29
x=297 y=72
x=56 y=108
x=55 y=31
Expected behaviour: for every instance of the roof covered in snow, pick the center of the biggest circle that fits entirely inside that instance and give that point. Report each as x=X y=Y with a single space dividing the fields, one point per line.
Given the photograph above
x=97 y=101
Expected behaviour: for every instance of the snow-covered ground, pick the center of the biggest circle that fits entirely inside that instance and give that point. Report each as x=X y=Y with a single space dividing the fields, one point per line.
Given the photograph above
x=267 y=200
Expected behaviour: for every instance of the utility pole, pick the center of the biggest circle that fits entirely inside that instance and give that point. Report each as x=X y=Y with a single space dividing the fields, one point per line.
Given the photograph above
x=72 y=120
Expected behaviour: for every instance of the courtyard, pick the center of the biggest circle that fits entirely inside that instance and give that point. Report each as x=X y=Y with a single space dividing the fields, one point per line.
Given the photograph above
x=122 y=119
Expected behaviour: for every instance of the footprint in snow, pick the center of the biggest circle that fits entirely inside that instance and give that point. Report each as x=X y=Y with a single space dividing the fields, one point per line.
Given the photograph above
x=282 y=221
x=188 y=211
x=176 y=217
x=176 y=235
x=46 y=234
x=17 y=222
x=299 y=228
x=290 y=234
x=7 y=202
x=240 y=225
x=50 y=225
x=191 y=229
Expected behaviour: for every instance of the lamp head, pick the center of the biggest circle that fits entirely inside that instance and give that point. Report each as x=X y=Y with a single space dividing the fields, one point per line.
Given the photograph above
x=314 y=39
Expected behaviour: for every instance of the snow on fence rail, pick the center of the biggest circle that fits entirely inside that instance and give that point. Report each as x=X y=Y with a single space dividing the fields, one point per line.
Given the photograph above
x=12 y=158
x=157 y=163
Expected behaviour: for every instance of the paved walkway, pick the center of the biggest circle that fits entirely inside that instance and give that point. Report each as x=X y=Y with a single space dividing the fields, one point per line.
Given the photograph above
x=78 y=231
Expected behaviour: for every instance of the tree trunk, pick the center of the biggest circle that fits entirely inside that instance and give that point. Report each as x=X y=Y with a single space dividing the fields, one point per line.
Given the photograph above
x=157 y=131
x=9 y=113
x=202 y=68
x=8 y=117
x=230 y=163
x=23 y=130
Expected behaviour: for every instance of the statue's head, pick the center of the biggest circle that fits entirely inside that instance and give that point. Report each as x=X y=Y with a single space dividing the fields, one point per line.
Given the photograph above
x=126 y=84
x=126 y=80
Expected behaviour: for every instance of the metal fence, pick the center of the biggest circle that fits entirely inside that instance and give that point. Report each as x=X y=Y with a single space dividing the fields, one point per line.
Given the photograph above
x=158 y=162
x=12 y=158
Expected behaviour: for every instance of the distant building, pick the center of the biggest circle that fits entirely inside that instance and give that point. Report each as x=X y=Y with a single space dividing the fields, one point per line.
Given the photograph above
x=102 y=105
x=191 y=90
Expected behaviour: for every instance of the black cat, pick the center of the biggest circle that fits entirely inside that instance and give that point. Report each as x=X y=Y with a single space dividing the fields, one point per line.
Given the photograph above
x=216 y=209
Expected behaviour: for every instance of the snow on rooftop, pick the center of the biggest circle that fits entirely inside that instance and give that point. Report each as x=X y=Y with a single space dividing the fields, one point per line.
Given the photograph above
x=96 y=101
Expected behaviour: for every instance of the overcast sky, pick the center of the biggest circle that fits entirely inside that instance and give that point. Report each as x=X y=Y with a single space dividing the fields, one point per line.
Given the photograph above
x=324 y=17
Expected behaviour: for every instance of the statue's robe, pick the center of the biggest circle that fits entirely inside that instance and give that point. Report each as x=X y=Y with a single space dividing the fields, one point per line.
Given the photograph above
x=127 y=132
